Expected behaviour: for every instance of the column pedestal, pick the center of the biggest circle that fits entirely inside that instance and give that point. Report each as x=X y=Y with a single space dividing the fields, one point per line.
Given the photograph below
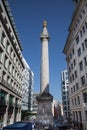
x=44 y=115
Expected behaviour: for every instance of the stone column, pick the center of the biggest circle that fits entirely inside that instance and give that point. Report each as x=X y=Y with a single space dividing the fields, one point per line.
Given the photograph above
x=44 y=84
x=44 y=98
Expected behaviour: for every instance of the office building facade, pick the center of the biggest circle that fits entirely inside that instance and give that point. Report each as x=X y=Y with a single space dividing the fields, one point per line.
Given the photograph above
x=27 y=87
x=11 y=67
x=76 y=56
x=65 y=94
x=27 y=91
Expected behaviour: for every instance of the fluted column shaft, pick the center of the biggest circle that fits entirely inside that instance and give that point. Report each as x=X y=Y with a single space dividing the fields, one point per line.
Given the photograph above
x=44 y=66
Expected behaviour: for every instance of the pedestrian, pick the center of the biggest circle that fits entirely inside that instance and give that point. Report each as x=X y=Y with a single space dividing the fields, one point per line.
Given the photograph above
x=1 y=127
x=76 y=127
x=72 y=127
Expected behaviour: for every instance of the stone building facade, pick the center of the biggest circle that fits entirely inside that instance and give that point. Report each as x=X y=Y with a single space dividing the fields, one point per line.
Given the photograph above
x=76 y=57
x=11 y=67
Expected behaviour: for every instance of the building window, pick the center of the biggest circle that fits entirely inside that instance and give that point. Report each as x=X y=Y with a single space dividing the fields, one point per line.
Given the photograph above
x=13 y=71
x=72 y=103
x=11 y=101
x=81 y=16
x=86 y=76
x=81 y=33
x=2 y=97
x=65 y=108
x=78 y=100
x=86 y=25
x=83 y=29
x=73 y=115
x=8 y=79
x=2 y=38
x=77 y=39
x=8 y=47
x=12 y=82
x=81 y=66
x=74 y=88
x=64 y=87
x=85 y=61
x=85 y=97
x=76 y=116
x=10 y=67
x=64 y=102
x=63 y=82
x=74 y=62
x=86 y=43
x=70 y=55
x=75 y=101
x=75 y=74
x=77 y=86
x=83 y=11
x=69 y=69
x=64 y=93
x=71 y=90
x=86 y=115
x=80 y=116
x=64 y=97
x=4 y=76
x=73 y=77
x=12 y=54
x=79 y=51
x=72 y=66
x=1 y=54
x=6 y=62
x=83 y=80
x=14 y=59
x=83 y=47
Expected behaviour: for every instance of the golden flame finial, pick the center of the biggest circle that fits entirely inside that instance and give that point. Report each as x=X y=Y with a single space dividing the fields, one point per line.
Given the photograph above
x=45 y=23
